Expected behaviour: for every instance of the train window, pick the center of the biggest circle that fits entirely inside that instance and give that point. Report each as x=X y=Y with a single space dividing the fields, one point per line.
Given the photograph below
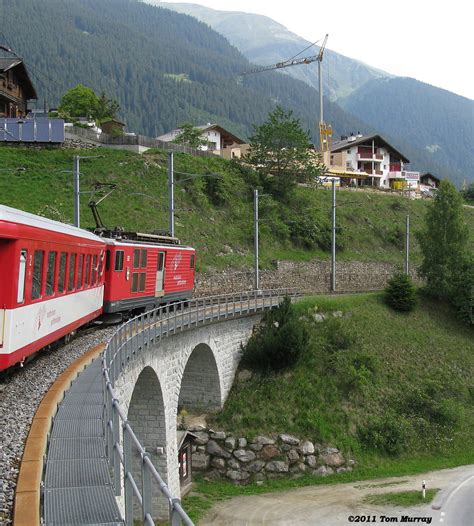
x=62 y=272
x=193 y=261
x=161 y=261
x=136 y=258
x=94 y=271
x=87 y=273
x=80 y=266
x=50 y=274
x=143 y=261
x=72 y=268
x=119 y=260
x=107 y=260
x=37 y=278
x=141 y=286
x=101 y=265
x=20 y=297
x=135 y=282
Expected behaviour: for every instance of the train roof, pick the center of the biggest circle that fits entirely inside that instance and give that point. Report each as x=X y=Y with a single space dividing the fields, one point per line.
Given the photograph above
x=13 y=215
x=133 y=242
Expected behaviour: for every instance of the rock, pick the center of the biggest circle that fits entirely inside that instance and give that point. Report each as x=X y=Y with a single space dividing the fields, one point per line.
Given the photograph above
x=268 y=452
x=213 y=448
x=201 y=449
x=318 y=318
x=351 y=463
x=329 y=451
x=329 y=471
x=337 y=314
x=343 y=470
x=255 y=447
x=285 y=448
x=237 y=476
x=200 y=461
x=277 y=466
x=301 y=466
x=293 y=456
x=218 y=435
x=311 y=461
x=289 y=439
x=259 y=478
x=232 y=463
x=230 y=443
x=242 y=442
x=307 y=448
x=263 y=440
x=201 y=438
x=255 y=466
x=321 y=471
x=218 y=463
x=244 y=455
x=334 y=460
x=244 y=376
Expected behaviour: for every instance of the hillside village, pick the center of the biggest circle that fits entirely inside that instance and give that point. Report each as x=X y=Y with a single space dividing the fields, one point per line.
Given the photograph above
x=352 y=161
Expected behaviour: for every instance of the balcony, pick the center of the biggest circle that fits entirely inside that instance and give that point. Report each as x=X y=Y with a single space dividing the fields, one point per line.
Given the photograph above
x=367 y=155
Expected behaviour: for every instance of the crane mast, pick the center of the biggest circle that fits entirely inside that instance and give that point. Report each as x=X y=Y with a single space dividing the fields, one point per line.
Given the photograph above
x=325 y=130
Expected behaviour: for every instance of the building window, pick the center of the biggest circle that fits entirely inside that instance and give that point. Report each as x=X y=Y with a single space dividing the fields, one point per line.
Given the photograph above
x=119 y=260
x=37 y=280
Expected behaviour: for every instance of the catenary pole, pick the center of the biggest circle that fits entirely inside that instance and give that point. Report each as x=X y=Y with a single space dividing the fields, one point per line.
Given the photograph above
x=255 y=224
x=171 y=193
x=76 y=173
x=333 y=238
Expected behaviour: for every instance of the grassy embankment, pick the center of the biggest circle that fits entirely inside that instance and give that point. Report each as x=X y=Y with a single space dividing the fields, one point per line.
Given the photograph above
x=220 y=222
x=395 y=391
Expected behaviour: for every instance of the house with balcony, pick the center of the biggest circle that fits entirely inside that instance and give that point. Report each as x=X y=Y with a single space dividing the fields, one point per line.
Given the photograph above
x=16 y=88
x=372 y=160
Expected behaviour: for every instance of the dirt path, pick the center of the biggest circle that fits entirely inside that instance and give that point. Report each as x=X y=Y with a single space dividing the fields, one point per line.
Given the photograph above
x=333 y=505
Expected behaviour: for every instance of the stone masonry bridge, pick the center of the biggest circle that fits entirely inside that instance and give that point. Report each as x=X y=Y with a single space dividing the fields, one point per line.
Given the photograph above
x=152 y=367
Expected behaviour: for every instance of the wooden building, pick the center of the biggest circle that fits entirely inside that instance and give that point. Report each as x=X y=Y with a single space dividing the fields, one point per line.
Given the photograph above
x=16 y=88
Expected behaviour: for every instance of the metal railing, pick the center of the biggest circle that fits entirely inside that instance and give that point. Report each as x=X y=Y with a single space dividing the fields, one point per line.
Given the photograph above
x=129 y=342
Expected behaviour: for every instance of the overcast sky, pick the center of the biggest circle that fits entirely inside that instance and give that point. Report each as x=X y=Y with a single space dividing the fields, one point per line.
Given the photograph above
x=431 y=41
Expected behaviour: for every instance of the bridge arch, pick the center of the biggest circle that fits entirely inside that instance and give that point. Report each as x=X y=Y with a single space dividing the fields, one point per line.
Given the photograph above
x=200 y=385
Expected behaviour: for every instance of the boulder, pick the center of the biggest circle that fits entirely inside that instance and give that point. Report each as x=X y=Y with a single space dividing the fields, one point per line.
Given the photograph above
x=200 y=461
x=343 y=470
x=307 y=448
x=277 y=466
x=213 y=448
x=289 y=439
x=255 y=466
x=201 y=438
x=230 y=443
x=293 y=456
x=263 y=440
x=321 y=471
x=233 y=463
x=334 y=460
x=218 y=435
x=311 y=461
x=256 y=447
x=268 y=452
x=237 y=476
x=218 y=463
x=244 y=455
x=244 y=376
x=242 y=442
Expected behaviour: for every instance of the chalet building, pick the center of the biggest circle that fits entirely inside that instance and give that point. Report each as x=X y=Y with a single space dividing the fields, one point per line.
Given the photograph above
x=372 y=160
x=430 y=180
x=16 y=88
x=216 y=137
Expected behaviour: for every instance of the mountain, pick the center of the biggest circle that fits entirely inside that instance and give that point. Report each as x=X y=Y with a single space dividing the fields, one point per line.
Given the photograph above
x=438 y=123
x=432 y=126
x=264 y=41
x=163 y=67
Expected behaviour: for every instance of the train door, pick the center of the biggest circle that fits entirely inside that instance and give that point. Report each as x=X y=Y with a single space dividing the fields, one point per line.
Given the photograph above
x=4 y=244
x=160 y=275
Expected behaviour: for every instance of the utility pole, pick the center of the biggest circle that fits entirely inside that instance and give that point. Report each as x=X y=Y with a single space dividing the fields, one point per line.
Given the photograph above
x=171 y=193
x=321 y=115
x=407 y=245
x=77 y=193
x=255 y=225
x=333 y=238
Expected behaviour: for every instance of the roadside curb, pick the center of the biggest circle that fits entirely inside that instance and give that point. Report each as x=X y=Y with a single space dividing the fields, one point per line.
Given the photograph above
x=26 y=509
x=443 y=496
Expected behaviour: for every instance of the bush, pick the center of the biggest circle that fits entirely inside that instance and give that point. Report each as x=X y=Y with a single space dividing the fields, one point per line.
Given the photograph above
x=462 y=290
x=400 y=293
x=278 y=342
x=387 y=434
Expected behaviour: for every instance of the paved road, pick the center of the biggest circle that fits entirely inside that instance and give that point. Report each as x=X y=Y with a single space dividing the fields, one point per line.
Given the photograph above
x=337 y=505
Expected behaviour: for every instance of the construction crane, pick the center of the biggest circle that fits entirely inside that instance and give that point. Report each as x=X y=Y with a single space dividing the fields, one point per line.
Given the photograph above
x=325 y=130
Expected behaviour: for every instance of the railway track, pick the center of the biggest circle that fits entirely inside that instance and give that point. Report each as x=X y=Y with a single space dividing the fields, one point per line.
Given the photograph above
x=21 y=391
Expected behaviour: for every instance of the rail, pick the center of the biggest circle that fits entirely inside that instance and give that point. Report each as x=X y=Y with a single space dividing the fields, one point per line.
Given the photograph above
x=127 y=343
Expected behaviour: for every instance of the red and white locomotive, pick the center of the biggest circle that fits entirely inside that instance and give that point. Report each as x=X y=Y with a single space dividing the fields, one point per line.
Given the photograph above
x=54 y=278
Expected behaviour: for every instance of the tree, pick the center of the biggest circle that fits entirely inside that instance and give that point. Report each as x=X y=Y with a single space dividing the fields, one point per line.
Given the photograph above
x=468 y=192
x=280 y=150
x=400 y=293
x=443 y=241
x=82 y=101
x=190 y=135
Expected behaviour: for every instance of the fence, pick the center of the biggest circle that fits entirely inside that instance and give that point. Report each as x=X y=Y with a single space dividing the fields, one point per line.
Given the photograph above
x=130 y=340
x=134 y=140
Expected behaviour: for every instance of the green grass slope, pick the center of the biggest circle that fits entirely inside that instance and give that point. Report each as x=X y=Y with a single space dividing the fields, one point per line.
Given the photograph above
x=213 y=214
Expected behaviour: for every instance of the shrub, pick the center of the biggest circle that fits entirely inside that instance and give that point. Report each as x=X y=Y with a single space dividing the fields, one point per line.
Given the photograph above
x=400 y=293
x=387 y=434
x=278 y=342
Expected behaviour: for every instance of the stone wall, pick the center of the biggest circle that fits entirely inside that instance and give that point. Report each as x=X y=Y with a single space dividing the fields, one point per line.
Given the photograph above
x=310 y=277
x=238 y=459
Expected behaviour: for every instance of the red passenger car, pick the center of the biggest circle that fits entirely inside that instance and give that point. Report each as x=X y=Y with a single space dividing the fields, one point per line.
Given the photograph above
x=51 y=282
x=147 y=272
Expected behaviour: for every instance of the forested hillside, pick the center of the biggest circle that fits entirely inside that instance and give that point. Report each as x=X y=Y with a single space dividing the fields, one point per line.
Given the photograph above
x=438 y=123
x=162 y=67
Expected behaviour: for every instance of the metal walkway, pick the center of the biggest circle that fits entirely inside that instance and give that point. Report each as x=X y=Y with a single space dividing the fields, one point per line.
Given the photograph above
x=77 y=485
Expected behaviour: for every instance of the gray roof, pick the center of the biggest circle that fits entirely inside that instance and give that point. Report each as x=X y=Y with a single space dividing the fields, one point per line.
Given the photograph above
x=10 y=63
x=378 y=139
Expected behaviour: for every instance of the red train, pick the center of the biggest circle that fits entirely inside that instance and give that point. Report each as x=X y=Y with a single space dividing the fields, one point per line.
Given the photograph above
x=55 y=278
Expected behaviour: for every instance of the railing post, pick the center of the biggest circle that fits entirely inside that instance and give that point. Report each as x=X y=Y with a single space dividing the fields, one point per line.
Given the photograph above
x=127 y=469
x=146 y=487
x=175 y=519
x=116 y=441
